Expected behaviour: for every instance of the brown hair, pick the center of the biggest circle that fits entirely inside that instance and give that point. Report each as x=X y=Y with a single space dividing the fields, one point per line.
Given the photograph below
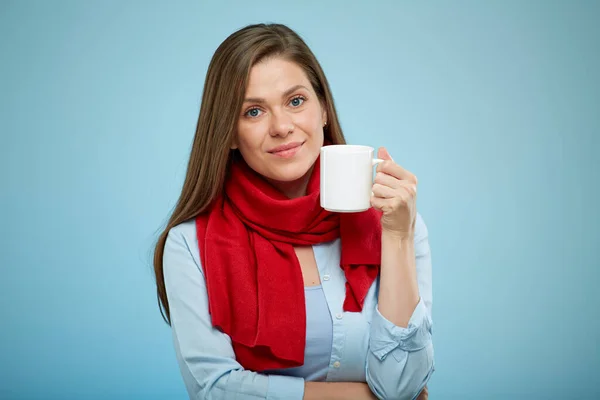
x=224 y=90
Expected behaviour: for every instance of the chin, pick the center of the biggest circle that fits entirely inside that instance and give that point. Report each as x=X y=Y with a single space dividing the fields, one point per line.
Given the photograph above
x=291 y=172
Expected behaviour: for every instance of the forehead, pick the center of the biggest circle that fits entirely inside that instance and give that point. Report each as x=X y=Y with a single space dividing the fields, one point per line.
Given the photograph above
x=274 y=76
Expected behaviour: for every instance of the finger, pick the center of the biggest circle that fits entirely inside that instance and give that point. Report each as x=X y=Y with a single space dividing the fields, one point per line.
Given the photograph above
x=383 y=205
x=387 y=180
x=410 y=187
x=383 y=191
x=400 y=187
x=384 y=154
x=391 y=168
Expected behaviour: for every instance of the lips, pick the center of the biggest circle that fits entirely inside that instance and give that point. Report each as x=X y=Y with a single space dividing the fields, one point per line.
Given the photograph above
x=285 y=147
x=288 y=150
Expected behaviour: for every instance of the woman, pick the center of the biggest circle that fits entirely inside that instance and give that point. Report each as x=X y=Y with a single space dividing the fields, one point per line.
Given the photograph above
x=268 y=295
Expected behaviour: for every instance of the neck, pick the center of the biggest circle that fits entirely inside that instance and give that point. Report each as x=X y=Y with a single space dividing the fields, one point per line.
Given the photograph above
x=293 y=189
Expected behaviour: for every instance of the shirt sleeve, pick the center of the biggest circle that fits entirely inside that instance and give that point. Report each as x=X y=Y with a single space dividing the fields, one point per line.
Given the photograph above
x=204 y=354
x=400 y=360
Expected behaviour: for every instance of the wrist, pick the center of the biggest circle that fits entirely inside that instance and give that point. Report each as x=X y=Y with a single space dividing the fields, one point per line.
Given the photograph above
x=402 y=236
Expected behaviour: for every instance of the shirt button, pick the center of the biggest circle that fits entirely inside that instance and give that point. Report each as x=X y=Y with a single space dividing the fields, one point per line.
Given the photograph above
x=339 y=315
x=336 y=364
x=325 y=277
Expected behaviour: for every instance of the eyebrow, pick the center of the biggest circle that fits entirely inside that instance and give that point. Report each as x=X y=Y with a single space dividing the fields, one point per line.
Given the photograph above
x=285 y=94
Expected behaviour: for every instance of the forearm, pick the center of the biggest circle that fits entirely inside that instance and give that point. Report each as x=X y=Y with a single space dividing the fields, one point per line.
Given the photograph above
x=401 y=359
x=337 y=390
x=398 y=291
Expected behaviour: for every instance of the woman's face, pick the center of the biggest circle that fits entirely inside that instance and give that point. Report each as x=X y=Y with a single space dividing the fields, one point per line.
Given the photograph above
x=280 y=129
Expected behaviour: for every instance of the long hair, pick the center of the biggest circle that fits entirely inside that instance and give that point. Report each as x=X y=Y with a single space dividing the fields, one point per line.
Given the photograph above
x=222 y=99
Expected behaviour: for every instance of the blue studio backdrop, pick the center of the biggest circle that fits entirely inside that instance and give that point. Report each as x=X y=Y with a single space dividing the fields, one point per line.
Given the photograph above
x=494 y=105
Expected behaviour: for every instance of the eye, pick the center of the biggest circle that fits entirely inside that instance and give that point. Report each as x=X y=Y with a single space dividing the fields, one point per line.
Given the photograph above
x=252 y=113
x=297 y=101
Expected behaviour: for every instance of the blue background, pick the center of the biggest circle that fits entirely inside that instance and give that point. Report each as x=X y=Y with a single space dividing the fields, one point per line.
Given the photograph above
x=495 y=106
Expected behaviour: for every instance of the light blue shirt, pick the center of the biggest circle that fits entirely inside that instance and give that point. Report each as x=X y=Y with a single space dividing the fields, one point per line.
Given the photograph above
x=396 y=362
x=319 y=338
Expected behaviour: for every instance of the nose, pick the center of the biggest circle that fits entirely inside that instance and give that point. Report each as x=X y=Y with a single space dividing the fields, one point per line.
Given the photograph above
x=281 y=124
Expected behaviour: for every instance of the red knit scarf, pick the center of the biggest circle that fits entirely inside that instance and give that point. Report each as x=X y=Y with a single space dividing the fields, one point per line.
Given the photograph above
x=253 y=277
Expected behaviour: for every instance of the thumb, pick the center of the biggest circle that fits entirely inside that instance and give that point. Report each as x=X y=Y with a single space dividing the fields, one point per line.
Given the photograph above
x=384 y=154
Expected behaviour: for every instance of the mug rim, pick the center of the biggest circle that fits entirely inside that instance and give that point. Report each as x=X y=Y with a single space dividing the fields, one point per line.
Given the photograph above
x=349 y=148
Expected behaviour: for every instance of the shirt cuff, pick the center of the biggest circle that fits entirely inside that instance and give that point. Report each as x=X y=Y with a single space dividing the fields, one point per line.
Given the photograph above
x=285 y=388
x=385 y=336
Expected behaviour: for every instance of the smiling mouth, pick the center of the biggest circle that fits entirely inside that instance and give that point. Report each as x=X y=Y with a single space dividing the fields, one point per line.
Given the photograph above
x=288 y=152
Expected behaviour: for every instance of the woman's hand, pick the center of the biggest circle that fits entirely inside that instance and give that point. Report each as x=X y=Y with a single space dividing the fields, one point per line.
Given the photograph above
x=424 y=395
x=395 y=194
x=337 y=391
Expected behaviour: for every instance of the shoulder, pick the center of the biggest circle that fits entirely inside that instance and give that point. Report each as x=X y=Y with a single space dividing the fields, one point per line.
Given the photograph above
x=185 y=231
x=181 y=247
x=421 y=231
x=421 y=237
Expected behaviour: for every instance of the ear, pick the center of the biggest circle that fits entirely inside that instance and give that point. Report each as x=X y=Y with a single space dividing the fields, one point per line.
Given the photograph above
x=324 y=117
x=234 y=144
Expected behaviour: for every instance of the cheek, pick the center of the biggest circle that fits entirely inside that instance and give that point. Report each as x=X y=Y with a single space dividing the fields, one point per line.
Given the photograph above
x=249 y=136
x=311 y=121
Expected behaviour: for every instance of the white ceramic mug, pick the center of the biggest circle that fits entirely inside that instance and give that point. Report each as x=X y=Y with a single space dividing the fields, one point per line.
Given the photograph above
x=347 y=177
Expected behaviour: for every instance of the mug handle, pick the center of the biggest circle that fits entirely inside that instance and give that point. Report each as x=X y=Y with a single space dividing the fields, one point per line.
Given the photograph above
x=374 y=162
